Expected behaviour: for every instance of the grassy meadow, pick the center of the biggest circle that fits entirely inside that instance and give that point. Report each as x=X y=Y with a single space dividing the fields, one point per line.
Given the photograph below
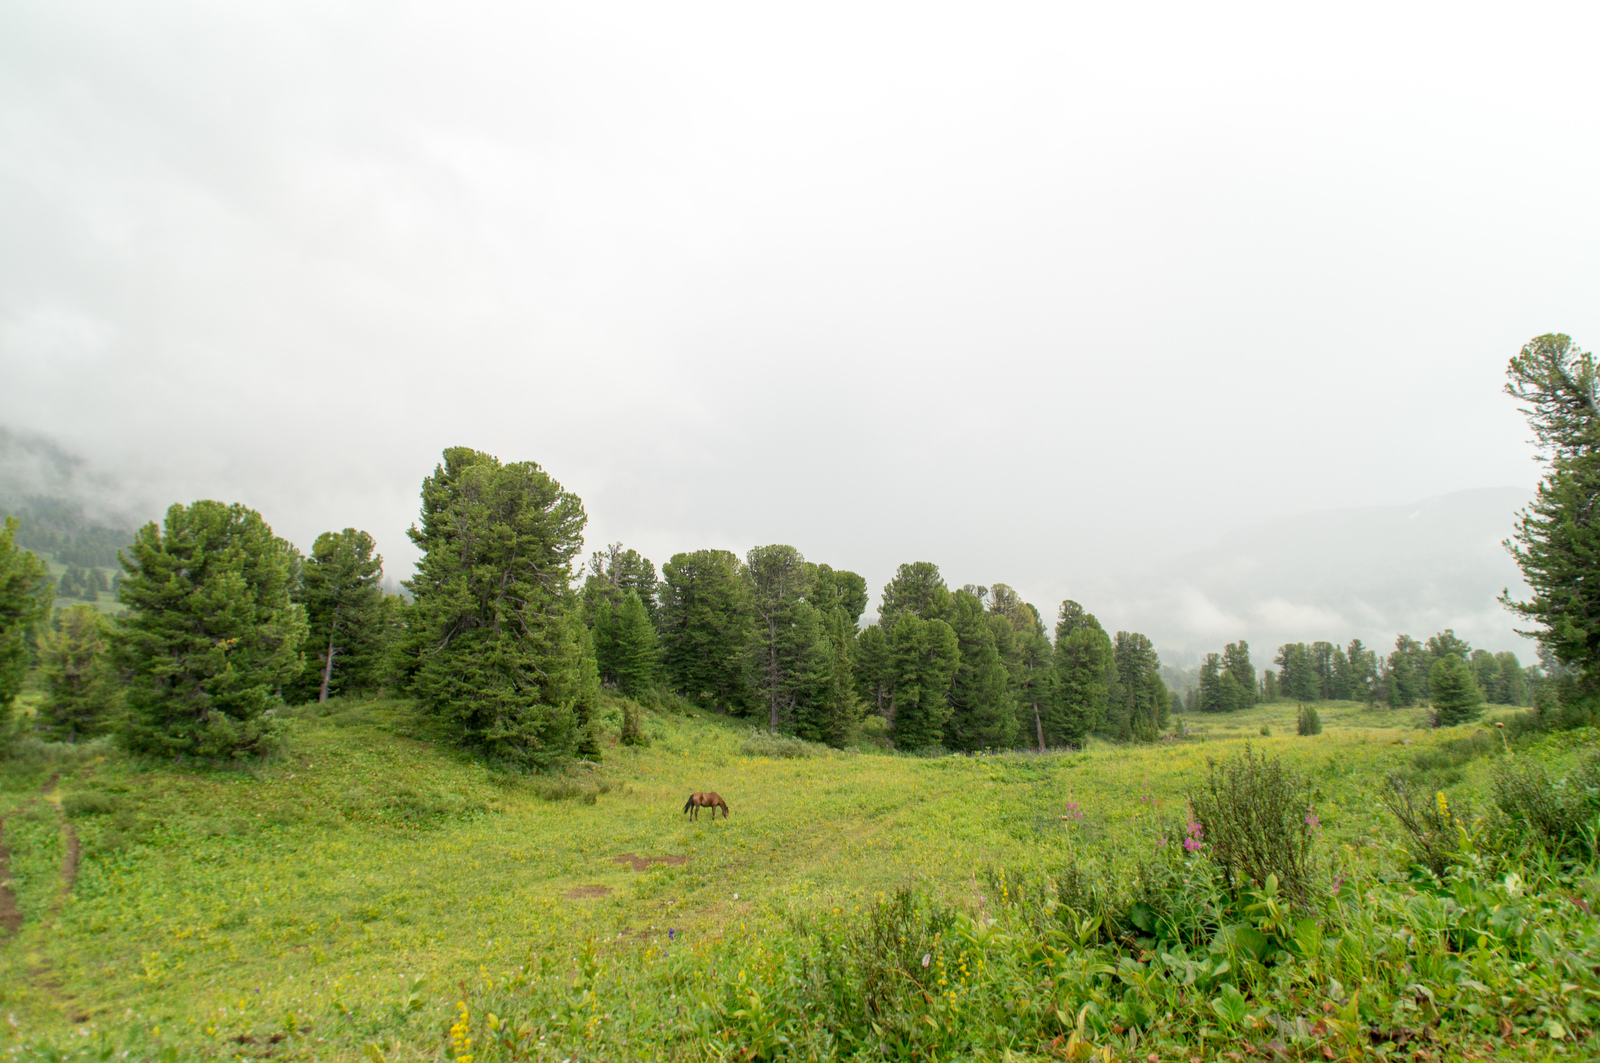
x=344 y=900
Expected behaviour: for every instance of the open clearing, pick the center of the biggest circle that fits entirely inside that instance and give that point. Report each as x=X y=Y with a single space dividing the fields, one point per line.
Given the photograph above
x=208 y=909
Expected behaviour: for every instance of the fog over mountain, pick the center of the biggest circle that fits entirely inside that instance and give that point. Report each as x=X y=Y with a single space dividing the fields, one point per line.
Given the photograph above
x=1370 y=572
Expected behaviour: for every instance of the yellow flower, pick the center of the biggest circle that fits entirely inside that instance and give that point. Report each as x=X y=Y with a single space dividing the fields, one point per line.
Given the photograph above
x=1444 y=806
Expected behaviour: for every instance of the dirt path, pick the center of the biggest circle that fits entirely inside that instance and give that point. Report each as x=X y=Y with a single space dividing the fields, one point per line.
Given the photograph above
x=10 y=914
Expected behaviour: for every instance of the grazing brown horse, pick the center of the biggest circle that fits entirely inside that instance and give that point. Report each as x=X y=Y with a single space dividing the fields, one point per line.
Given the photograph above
x=698 y=801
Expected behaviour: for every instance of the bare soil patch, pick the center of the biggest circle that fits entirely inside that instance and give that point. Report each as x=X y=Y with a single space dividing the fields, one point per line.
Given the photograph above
x=585 y=892
x=641 y=863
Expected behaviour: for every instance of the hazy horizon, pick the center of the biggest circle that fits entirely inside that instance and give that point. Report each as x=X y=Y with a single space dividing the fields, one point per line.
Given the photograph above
x=1045 y=294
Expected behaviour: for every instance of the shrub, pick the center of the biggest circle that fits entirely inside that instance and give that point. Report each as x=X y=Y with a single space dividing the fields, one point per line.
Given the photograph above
x=1256 y=819
x=1432 y=834
x=1308 y=722
x=1559 y=816
x=632 y=733
x=761 y=743
x=1266 y=731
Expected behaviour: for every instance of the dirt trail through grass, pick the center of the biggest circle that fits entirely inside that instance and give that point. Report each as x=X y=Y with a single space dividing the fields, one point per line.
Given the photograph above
x=10 y=914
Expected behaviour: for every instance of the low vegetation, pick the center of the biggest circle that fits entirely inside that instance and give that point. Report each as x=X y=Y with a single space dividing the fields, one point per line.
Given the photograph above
x=374 y=894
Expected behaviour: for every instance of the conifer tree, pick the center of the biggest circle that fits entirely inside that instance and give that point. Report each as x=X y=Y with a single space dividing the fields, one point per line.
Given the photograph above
x=982 y=714
x=80 y=691
x=1137 y=706
x=1236 y=662
x=504 y=656
x=1363 y=665
x=1512 y=684
x=211 y=634
x=1456 y=696
x=1230 y=696
x=1557 y=540
x=1486 y=673
x=344 y=614
x=786 y=630
x=1269 y=686
x=1084 y=671
x=615 y=571
x=638 y=656
x=26 y=595
x=873 y=674
x=1211 y=697
x=706 y=626
x=917 y=588
x=1024 y=645
x=923 y=658
x=1297 y=673
x=838 y=590
x=1405 y=679
x=830 y=710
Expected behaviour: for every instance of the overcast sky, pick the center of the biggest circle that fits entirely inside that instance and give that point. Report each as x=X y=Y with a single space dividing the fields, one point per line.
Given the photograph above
x=1036 y=292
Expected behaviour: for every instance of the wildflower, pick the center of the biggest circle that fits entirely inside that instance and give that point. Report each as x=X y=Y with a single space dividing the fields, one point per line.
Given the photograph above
x=1444 y=806
x=926 y=958
x=671 y=933
x=1312 y=821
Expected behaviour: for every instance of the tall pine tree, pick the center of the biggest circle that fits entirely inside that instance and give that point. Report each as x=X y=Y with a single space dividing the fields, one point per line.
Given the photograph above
x=706 y=627
x=211 y=633
x=344 y=614
x=503 y=656
x=982 y=714
x=26 y=594
x=1084 y=672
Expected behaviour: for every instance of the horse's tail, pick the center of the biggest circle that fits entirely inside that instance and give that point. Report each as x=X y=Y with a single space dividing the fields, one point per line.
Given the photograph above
x=689 y=803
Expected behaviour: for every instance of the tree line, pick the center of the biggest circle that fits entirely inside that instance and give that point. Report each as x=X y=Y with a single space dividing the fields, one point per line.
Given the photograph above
x=225 y=622
x=1413 y=673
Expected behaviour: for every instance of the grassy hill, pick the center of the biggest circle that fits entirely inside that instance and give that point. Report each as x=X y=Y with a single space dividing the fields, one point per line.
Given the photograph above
x=342 y=901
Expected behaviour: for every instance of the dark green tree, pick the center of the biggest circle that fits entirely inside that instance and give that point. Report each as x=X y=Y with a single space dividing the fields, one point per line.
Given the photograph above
x=785 y=633
x=211 y=633
x=1137 y=699
x=874 y=674
x=504 y=658
x=1456 y=696
x=1444 y=644
x=1363 y=671
x=837 y=590
x=1084 y=672
x=983 y=714
x=1024 y=645
x=1269 y=686
x=615 y=571
x=1408 y=664
x=917 y=588
x=829 y=709
x=1297 y=672
x=26 y=595
x=344 y=614
x=706 y=628
x=636 y=655
x=1322 y=665
x=1211 y=697
x=924 y=656
x=1236 y=662
x=1486 y=673
x=1557 y=537
x=80 y=690
x=1512 y=684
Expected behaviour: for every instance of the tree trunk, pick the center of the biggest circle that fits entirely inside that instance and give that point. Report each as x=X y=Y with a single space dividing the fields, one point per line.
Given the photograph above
x=1039 y=725
x=327 y=671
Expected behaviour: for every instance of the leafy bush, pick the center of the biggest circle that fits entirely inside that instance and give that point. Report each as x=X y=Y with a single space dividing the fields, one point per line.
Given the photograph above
x=1433 y=834
x=1307 y=722
x=569 y=788
x=1562 y=817
x=1257 y=821
x=761 y=743
x=632 y=733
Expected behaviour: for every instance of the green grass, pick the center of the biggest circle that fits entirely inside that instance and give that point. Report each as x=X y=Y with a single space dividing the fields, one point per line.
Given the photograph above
x=215 y=905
